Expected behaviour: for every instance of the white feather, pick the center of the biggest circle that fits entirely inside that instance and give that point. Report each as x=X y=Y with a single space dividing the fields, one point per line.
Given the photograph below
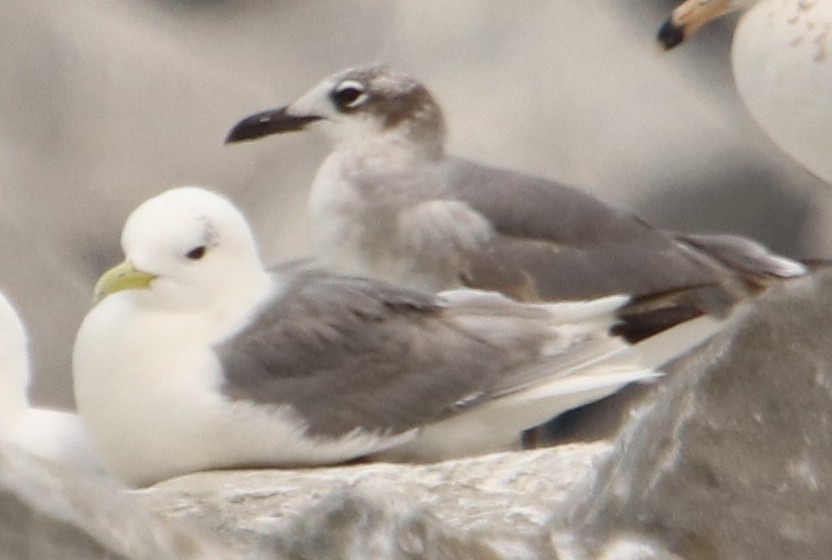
x=54 y=435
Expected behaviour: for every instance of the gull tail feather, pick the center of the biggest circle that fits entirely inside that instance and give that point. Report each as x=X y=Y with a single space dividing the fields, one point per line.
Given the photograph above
x=606 y=368
x=751 y=259
x=563 y=312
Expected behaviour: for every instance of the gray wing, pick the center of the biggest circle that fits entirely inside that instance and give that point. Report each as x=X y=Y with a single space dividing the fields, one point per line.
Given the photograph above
x=351 y=353
x=556 y=242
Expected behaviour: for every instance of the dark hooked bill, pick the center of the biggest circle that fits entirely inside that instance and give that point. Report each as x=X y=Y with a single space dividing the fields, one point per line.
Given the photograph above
x=269 y=122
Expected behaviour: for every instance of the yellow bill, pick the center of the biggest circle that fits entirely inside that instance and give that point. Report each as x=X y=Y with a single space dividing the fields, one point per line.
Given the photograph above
x=124 y=276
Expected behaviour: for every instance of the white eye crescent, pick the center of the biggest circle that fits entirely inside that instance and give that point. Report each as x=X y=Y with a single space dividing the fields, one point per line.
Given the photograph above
x=349 y=94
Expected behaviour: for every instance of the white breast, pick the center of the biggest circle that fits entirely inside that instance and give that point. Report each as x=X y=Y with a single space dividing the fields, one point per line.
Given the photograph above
x=333 y=209
x=143 y=387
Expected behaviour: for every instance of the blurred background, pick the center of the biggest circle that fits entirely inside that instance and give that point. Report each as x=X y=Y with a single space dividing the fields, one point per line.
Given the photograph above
x=104 y=103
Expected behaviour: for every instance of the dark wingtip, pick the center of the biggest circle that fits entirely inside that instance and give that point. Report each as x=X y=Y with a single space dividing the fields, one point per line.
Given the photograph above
x=265 y=123
x=670 y=35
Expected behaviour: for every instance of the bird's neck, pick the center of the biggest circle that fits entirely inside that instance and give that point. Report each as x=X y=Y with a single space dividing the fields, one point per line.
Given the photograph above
x=14 y=361
x=388 y=150
x=14 y=377
x=248 y=294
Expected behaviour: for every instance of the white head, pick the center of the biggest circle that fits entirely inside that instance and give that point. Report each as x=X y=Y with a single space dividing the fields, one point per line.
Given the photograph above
x=187 y=249
x=14 y=361
x=357 y=104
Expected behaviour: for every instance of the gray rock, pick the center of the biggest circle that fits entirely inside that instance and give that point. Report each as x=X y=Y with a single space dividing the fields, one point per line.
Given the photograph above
x=494 y=506
x=487 y=508
x=732 y=459
x=356 y=525
x=53 y=513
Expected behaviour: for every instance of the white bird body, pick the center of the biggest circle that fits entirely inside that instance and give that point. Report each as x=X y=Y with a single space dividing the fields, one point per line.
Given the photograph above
x=200 y=359
x=14 y=362
x=782 y=62
x=161 y=413
x=54 y=435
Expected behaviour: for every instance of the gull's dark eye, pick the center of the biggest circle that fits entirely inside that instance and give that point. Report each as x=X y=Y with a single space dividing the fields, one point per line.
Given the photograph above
x=348 y=94
x=196 y=253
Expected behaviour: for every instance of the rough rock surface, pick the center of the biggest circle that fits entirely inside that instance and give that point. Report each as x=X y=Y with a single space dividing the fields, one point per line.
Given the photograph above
x=53 y=513
x=503 y=499
x=487 y=508
x=733 y=459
